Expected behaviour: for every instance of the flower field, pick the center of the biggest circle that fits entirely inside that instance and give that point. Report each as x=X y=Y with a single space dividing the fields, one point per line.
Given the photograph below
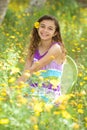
x=18 y=110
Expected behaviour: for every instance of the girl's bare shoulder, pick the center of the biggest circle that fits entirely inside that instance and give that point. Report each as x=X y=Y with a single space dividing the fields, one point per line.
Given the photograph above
x=55 y=48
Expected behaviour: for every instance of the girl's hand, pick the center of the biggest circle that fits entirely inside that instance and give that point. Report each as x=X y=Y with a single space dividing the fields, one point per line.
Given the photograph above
x=23 y=78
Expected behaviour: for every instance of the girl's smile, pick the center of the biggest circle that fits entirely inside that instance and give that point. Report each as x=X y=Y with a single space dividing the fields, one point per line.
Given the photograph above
x=46 y=30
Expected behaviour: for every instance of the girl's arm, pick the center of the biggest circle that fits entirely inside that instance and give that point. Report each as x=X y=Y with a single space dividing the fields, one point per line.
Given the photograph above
x=25 y=73
x=54 y=52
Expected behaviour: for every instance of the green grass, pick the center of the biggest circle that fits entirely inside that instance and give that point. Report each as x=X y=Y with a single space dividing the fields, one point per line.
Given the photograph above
x=20 y=113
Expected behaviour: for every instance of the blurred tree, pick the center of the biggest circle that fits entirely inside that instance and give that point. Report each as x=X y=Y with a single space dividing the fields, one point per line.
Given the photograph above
x=3 y=9
x=83 y=3
x=35 y=5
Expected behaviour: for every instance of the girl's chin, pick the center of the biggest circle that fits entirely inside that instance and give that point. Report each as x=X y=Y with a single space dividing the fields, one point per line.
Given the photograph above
x=44 y=38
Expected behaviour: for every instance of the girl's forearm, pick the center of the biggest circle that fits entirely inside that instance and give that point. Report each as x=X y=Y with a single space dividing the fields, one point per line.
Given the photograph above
x=23 y=78
x=35 y=67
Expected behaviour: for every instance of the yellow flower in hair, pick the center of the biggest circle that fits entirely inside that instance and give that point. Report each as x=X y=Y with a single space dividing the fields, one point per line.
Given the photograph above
x=36 y=24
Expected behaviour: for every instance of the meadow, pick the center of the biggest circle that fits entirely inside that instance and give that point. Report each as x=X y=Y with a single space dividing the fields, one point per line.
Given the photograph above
x=19 y=112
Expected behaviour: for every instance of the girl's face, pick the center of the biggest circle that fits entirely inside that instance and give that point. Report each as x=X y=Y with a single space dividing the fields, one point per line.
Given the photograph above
x=46 y=30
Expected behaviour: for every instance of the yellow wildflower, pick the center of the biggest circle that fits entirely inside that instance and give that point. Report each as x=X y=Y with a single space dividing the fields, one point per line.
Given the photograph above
x=36 y=24
x=34 y=119
x=74 y=17
x=3 y=93
x=63 y=98
x=73 y=50
x=22 y=100
x=66 y=115
x=85 y=78
x=35 y=127
x=41 y=78
x=85 y=119
x=21 y=85
x=4 y=121
x=54 y=82
x=32 y=90
x=37 y=73
x=3 y=85
x=52 y=57
x=15 y=70
x=86 y=125
x=37 y=114
x=81 y=83
x=7 y=34
x=48 y=107
x=80 y=111
x=11 y=80
x=62 y=106
x=38 y=107
x=73 y=103
x=56 y=113
x=76 y=126
x=27 y=75
x=83 y=92
x=79 y=49
x=2 y=99
x=80 y=74
x=82 y=38
x=12 y=37
x=19 y=16
x=80 y=106
x=21 y=60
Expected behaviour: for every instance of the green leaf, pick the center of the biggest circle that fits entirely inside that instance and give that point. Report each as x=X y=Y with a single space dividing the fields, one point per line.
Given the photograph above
x=69 y=76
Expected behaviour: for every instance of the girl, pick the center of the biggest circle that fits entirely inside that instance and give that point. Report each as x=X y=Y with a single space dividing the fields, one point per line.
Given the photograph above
x=46 y=54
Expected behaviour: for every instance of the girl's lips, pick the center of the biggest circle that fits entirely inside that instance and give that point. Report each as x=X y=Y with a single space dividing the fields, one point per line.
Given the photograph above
x=44 y=35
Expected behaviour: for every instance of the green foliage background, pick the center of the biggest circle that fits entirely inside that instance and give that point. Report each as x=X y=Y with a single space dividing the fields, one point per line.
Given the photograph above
x=14 y=39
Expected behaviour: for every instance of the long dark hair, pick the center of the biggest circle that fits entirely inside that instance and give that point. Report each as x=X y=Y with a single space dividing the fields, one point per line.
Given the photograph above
x=35 y=39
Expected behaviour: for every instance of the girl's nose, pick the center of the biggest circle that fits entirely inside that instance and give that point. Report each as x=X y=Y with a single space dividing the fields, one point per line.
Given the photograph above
x=45 y=29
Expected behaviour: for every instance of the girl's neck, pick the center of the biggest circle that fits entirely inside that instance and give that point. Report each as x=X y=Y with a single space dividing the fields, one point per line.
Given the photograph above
x=45 y=44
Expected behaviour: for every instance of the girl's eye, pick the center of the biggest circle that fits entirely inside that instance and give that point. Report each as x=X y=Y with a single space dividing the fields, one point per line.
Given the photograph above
x=42 y=26
x=50 y=28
